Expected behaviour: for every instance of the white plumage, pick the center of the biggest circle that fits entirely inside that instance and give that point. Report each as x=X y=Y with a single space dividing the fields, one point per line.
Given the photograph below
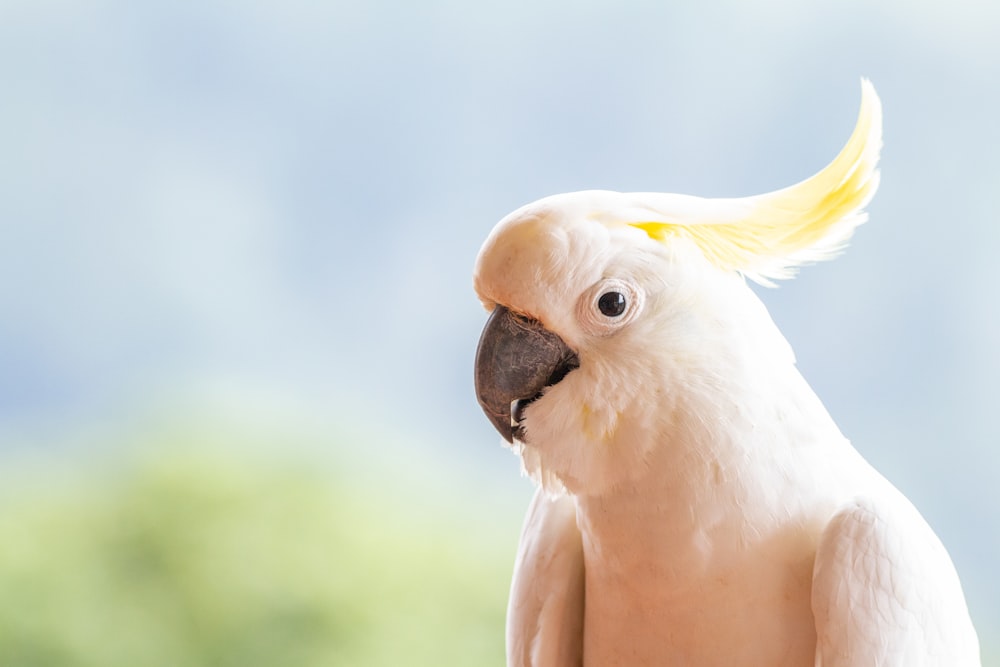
x=697 y=504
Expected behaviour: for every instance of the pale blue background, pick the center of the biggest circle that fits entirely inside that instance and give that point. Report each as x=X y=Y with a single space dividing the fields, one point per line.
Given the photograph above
x=273 y=208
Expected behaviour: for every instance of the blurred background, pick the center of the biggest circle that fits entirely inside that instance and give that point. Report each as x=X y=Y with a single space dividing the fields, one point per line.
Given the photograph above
x=237 y=424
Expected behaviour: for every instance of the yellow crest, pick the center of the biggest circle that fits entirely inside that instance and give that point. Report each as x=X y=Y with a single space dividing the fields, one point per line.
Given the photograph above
x=766 y=236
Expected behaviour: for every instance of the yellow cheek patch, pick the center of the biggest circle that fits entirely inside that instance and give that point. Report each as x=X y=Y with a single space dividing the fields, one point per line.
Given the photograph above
x=596 y=424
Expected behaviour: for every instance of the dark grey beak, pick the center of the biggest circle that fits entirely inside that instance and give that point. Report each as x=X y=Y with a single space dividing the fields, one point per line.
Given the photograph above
x=516 y=360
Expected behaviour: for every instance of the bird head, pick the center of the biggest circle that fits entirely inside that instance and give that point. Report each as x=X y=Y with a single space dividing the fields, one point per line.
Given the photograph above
x=610 y=311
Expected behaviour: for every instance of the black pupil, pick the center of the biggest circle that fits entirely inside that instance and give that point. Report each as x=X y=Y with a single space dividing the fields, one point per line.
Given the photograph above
x=611 y=304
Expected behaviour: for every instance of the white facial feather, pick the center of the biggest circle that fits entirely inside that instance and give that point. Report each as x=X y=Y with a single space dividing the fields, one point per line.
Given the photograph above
x=698 y=330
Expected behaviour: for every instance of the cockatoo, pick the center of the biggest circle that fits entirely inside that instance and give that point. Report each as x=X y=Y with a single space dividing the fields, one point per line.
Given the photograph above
x=696 y=504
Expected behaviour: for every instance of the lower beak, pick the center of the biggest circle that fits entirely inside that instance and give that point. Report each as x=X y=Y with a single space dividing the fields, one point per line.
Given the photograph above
x=516 y=360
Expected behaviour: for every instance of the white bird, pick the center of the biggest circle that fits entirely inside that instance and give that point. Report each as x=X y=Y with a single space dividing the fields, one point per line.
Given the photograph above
x=697 y=505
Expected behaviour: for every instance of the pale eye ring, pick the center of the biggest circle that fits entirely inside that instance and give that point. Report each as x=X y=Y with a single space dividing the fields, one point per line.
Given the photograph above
x=609 y=305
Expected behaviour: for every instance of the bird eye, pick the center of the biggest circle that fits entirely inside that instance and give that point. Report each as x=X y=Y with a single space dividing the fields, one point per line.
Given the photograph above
x=612 y=304
x=608 y=305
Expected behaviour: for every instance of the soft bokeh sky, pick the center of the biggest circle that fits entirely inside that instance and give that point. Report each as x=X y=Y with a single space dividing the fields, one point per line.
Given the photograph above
x=279 y=204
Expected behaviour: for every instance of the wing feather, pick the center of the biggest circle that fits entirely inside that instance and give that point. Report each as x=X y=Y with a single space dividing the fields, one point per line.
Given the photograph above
x=545 y=612
x=885 y=592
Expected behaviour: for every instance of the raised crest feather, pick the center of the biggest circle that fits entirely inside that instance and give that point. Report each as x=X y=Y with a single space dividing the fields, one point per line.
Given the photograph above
x=765 y=237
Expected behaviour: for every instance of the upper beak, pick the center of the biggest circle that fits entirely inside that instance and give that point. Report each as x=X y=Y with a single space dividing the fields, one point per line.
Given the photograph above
x=517 y=358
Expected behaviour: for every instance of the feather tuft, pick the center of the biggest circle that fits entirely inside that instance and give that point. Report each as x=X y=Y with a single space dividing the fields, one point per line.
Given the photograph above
x=766 y=237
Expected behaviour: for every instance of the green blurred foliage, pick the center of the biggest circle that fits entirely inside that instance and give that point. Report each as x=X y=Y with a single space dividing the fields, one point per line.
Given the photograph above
x=202 y=555
x=203 y=552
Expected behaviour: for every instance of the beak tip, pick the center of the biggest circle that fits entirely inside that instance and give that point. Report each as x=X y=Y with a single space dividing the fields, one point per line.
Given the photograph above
x=502 y=424
x=515 y=360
